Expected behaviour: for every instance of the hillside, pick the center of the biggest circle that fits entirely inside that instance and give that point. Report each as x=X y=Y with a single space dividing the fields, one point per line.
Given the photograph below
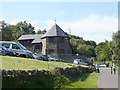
x=17 y=63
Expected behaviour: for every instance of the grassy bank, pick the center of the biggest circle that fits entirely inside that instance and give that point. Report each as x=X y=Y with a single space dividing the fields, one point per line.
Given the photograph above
x=85 y=81
x=17 y=63
x=51 y=80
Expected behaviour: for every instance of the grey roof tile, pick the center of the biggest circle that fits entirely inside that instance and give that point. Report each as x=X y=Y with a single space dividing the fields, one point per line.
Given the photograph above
x=36 y=38
x=55 y=31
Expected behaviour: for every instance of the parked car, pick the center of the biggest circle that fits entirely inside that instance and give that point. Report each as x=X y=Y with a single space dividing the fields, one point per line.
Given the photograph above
x=76 y=61
x=17 y=48
x=79 y=61
x=52 y=59
x=35 y=55
x=61 y=60
x=4 y=51
x=40 y=57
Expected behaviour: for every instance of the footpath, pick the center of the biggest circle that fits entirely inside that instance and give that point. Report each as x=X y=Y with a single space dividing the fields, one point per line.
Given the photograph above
x=107 y=81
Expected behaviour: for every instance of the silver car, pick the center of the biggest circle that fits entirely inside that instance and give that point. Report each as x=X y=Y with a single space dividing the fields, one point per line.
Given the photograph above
x=17 y=48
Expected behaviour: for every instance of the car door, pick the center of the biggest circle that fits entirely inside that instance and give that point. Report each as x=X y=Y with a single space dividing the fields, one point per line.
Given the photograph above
x=15 y=48
x=2 y=52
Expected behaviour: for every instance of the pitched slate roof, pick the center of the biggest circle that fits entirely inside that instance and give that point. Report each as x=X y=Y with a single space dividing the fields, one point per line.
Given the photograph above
x=36 y=38
x=55 y=31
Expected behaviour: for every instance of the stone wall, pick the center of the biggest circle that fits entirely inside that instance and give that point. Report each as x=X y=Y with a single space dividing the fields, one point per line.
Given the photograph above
x=42 y=78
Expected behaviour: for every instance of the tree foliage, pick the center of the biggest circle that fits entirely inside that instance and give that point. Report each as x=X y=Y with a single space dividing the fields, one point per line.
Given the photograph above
x=7 y=33
x=115 y=45
x=41 y=31
x=13 y=32
x=86 y=50
x=92 y=43
x=103 y=51
x=82 y=47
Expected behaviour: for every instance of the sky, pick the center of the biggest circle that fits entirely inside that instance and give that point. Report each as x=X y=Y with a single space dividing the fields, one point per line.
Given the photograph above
x=90 y=20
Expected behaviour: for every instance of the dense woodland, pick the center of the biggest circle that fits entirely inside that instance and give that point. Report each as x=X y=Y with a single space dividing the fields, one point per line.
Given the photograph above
x=108 y=50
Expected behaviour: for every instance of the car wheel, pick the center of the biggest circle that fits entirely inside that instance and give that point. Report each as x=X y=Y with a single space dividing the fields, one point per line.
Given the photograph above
x=22 y=56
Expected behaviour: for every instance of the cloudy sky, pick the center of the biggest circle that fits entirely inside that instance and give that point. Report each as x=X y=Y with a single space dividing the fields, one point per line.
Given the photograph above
x=90 y=20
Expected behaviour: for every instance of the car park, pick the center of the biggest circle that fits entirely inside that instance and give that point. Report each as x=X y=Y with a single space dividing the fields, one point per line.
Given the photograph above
x=17 y=48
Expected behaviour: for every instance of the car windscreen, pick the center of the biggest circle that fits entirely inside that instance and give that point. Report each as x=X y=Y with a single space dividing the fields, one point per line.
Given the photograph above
x=21 y=45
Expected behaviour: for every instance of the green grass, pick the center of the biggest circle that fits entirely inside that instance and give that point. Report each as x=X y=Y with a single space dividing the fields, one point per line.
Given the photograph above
x=85 y=81
x=89 y=80
x=17 y=63
x=119 y=70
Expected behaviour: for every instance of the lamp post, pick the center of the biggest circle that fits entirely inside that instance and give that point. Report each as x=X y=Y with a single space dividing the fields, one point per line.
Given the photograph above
x=77 y=55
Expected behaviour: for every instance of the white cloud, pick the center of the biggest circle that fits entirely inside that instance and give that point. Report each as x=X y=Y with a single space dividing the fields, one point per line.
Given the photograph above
x=93 y=27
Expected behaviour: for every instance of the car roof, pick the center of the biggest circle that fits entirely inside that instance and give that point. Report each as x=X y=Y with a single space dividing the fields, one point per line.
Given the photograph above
x=7 y=42
x=77 y=59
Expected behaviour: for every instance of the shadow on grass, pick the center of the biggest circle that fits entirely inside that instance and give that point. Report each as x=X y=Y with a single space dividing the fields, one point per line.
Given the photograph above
x=81 y=77
x=75 y=81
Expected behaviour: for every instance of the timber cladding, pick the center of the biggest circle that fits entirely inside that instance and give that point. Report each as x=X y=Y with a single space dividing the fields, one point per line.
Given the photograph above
x=54 y=42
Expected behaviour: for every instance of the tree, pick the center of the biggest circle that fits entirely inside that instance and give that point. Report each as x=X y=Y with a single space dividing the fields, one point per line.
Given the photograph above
x=103 y=51
x=3 y=24
x=16 y=32
x=86 y=50
x=92 y=43
x=74 y=42
x=25 y=28
x=115 y=45
x=13 y=32
x=41 y=32
x=7 y=33
x=44 y=31
x=80 y=46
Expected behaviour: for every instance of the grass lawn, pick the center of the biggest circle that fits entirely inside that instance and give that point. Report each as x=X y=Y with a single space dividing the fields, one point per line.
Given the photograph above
x=85 y=81
x=17 y=63
x=89 y=80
